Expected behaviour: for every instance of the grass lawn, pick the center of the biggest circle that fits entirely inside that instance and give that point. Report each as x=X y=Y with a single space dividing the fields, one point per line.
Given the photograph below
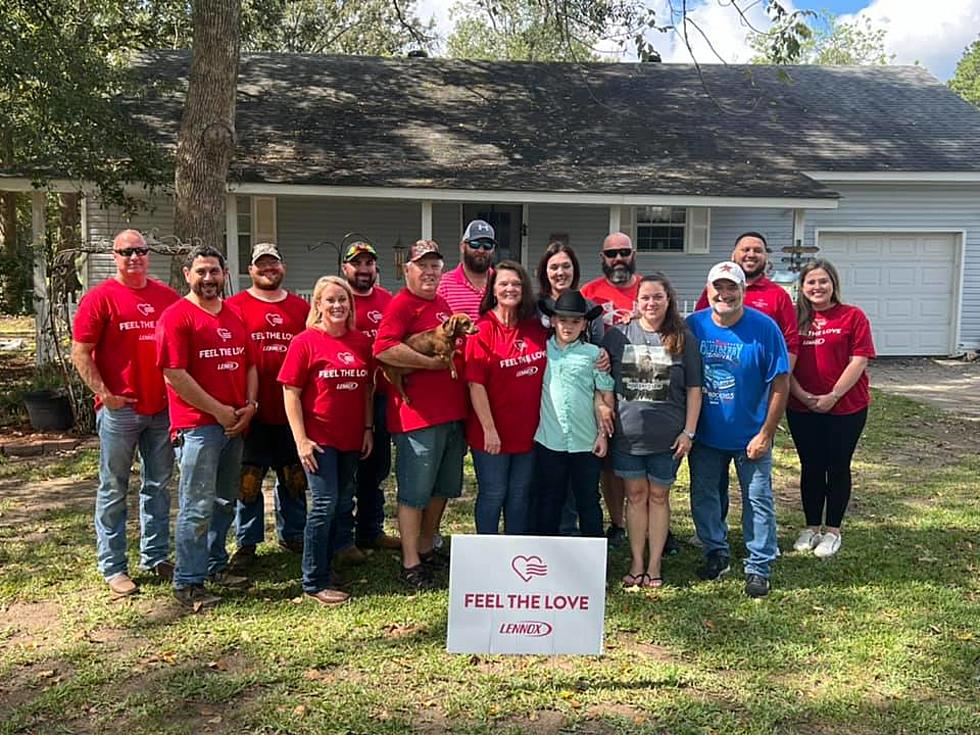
x=883 y=638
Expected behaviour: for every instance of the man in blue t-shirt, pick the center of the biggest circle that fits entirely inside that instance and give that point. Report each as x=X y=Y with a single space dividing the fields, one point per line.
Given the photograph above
x=746 y=384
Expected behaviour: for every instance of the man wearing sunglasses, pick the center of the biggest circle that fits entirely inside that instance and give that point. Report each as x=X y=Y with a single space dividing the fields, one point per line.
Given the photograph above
x=616 y=290
x=114 y=353
x=463 y=287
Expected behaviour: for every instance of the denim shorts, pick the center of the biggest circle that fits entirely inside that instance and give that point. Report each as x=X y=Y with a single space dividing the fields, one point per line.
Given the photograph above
x=660 y=468
x=429 y=463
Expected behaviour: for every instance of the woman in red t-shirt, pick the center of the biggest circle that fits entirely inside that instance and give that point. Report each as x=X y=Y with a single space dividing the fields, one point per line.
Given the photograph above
x=829 y=402
x=328 y=389
x=505 y=365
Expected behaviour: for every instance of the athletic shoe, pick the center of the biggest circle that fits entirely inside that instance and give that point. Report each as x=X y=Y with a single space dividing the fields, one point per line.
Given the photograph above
x=806 y=540
x=756 y=585
x=716 y=566
x=828 y=545
x=616 y=535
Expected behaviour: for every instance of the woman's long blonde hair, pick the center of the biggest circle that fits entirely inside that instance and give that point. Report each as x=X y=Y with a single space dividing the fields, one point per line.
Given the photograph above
x=804 y=309
x=316 y=318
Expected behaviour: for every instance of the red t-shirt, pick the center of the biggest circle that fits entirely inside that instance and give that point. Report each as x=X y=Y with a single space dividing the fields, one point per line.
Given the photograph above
x=120 y=322
x=509 y=362
x=368 y=311
x=435 y=397
x=773 y=301
x=213 y=348
x=271 y=327
x=334 y=374
x=835 y=335
x=618 y=302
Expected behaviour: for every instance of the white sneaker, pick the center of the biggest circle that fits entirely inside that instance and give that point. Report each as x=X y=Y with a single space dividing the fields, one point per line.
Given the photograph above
x=806 y=540
x=828 y=545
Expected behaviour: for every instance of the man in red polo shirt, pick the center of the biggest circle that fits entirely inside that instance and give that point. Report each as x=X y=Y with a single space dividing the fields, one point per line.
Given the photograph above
x=113 y=351
x=427 y=430
x=205 y=352
x=615 y=290
x=365 y=529
x=463 y=287
x=272 y=316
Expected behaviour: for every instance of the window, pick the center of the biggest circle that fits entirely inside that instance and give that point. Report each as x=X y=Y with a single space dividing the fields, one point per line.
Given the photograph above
x=256 y=223
x=659 y=229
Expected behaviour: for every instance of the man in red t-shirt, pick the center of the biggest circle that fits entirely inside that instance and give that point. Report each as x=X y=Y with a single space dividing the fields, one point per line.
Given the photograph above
x=616 y=292
x=113 y=351
x=272 y=316
x=463 y=287
x=428 y=429
x=207 y=359
x=365 y=528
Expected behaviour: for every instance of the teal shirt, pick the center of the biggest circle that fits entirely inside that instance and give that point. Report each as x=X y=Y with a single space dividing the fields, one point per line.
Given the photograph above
x=567 y=408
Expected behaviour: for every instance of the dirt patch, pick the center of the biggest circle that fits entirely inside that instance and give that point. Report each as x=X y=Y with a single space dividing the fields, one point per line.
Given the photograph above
x=29 y=623
x=950 y=385
x=25 y=683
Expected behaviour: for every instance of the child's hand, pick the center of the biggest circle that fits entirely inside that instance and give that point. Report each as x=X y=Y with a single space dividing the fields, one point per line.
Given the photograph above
x=601 y=445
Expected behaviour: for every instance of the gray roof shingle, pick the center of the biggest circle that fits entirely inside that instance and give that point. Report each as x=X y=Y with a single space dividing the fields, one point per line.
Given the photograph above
x=745 y=131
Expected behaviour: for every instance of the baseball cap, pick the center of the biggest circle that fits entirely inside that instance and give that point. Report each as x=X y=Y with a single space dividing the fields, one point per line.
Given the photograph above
x=421 y=248
x=479 y=230
x=265 y=248
x=727 y=271
x=359 y=248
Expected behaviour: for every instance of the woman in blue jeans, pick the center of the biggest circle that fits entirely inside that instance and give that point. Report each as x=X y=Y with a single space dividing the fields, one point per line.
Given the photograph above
x=657 y=369
x=327 y=383
x=504 y=369
x=571 y=439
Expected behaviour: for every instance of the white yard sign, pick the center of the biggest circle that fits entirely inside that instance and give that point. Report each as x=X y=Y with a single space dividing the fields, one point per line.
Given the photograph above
x=526 y=594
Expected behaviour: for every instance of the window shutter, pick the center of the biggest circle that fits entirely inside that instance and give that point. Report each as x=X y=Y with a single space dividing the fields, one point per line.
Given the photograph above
x=627 y=222
x=264 y=219
x=697 y=234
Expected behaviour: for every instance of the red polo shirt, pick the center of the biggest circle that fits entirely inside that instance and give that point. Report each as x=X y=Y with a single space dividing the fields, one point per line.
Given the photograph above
x=460 y=294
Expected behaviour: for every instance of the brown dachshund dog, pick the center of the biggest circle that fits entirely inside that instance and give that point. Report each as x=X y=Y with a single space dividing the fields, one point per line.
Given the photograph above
x=438 y=342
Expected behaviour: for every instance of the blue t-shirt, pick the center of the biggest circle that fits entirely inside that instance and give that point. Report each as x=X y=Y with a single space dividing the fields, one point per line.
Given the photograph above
x=739 y=363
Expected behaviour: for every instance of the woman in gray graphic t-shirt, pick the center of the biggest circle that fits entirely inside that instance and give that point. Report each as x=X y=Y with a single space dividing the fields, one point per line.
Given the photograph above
x=657 y=369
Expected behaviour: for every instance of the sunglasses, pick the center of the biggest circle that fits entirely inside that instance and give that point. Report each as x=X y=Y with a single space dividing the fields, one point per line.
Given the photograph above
x=130 y=252
x=618 y=253
x=481 y=244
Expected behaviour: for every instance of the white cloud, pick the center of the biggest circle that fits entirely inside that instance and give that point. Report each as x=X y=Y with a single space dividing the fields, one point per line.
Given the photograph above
x=933 y=34
x=716 y=32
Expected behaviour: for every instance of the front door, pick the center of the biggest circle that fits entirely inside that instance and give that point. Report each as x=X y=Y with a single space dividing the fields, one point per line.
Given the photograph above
x=506 y=220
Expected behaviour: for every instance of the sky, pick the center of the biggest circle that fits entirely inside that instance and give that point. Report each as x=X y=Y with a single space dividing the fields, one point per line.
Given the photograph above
x=932 y=34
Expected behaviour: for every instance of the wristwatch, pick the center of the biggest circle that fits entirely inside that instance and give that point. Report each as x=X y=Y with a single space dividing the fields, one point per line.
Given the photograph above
x=252 y=402
x=689 y=435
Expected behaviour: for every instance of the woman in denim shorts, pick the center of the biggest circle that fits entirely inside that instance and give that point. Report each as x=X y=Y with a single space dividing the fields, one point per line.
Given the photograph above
x=657 y=369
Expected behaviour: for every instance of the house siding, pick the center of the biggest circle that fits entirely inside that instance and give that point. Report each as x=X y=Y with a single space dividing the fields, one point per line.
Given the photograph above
x=155 y=215
x=899 y=207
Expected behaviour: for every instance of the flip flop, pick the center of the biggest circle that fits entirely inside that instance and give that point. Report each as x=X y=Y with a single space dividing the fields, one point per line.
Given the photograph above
x=652 y=583
x=635 y=580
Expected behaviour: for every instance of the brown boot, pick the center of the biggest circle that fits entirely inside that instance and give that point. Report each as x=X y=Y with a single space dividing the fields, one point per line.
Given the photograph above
x=121 y=585
x=329 y=597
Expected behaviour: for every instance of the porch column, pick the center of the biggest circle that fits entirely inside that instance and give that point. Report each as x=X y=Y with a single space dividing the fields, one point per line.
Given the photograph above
x=426 y=220
x=41 y=306
x=615 y=218
x=799 y=225
x=231 y=241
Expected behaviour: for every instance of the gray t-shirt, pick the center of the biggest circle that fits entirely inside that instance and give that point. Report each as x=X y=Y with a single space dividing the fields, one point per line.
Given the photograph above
x=651 y=387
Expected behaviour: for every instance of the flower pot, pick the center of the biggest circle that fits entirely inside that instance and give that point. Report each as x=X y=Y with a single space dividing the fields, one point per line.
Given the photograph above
x=48 y=410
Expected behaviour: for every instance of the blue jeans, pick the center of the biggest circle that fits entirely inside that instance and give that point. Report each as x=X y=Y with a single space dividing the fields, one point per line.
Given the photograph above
x=503 y=484
x=709 y=506
x=270 y=446
x=210 y=475
x=121 y=431
x=331 y=496
x=555 y=473
x=367 y=522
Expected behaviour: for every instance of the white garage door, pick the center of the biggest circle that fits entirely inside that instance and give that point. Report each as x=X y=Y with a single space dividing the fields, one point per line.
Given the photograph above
x=905 y=282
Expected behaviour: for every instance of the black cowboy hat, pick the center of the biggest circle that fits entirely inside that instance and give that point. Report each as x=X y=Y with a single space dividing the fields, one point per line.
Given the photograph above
x=570 y=303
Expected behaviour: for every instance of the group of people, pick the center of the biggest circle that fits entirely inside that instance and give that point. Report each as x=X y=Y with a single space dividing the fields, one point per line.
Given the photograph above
x=555 y=388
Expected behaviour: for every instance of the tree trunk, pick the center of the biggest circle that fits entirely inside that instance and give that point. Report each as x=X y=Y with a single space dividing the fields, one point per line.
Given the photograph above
x=206 y=142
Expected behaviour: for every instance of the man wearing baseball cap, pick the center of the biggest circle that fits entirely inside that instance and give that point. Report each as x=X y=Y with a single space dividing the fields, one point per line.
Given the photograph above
x=365 y=528
x=272 y=316
x=463 y=287
x=428 y=428
x=746 y=384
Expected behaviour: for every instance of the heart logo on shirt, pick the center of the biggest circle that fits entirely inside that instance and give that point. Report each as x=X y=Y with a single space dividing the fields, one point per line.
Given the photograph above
x=346 y=357
x=442 y=316
x=374 y=316
x=520 y=344
x=274 y=319
x=145 y=309
x=225 y=334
